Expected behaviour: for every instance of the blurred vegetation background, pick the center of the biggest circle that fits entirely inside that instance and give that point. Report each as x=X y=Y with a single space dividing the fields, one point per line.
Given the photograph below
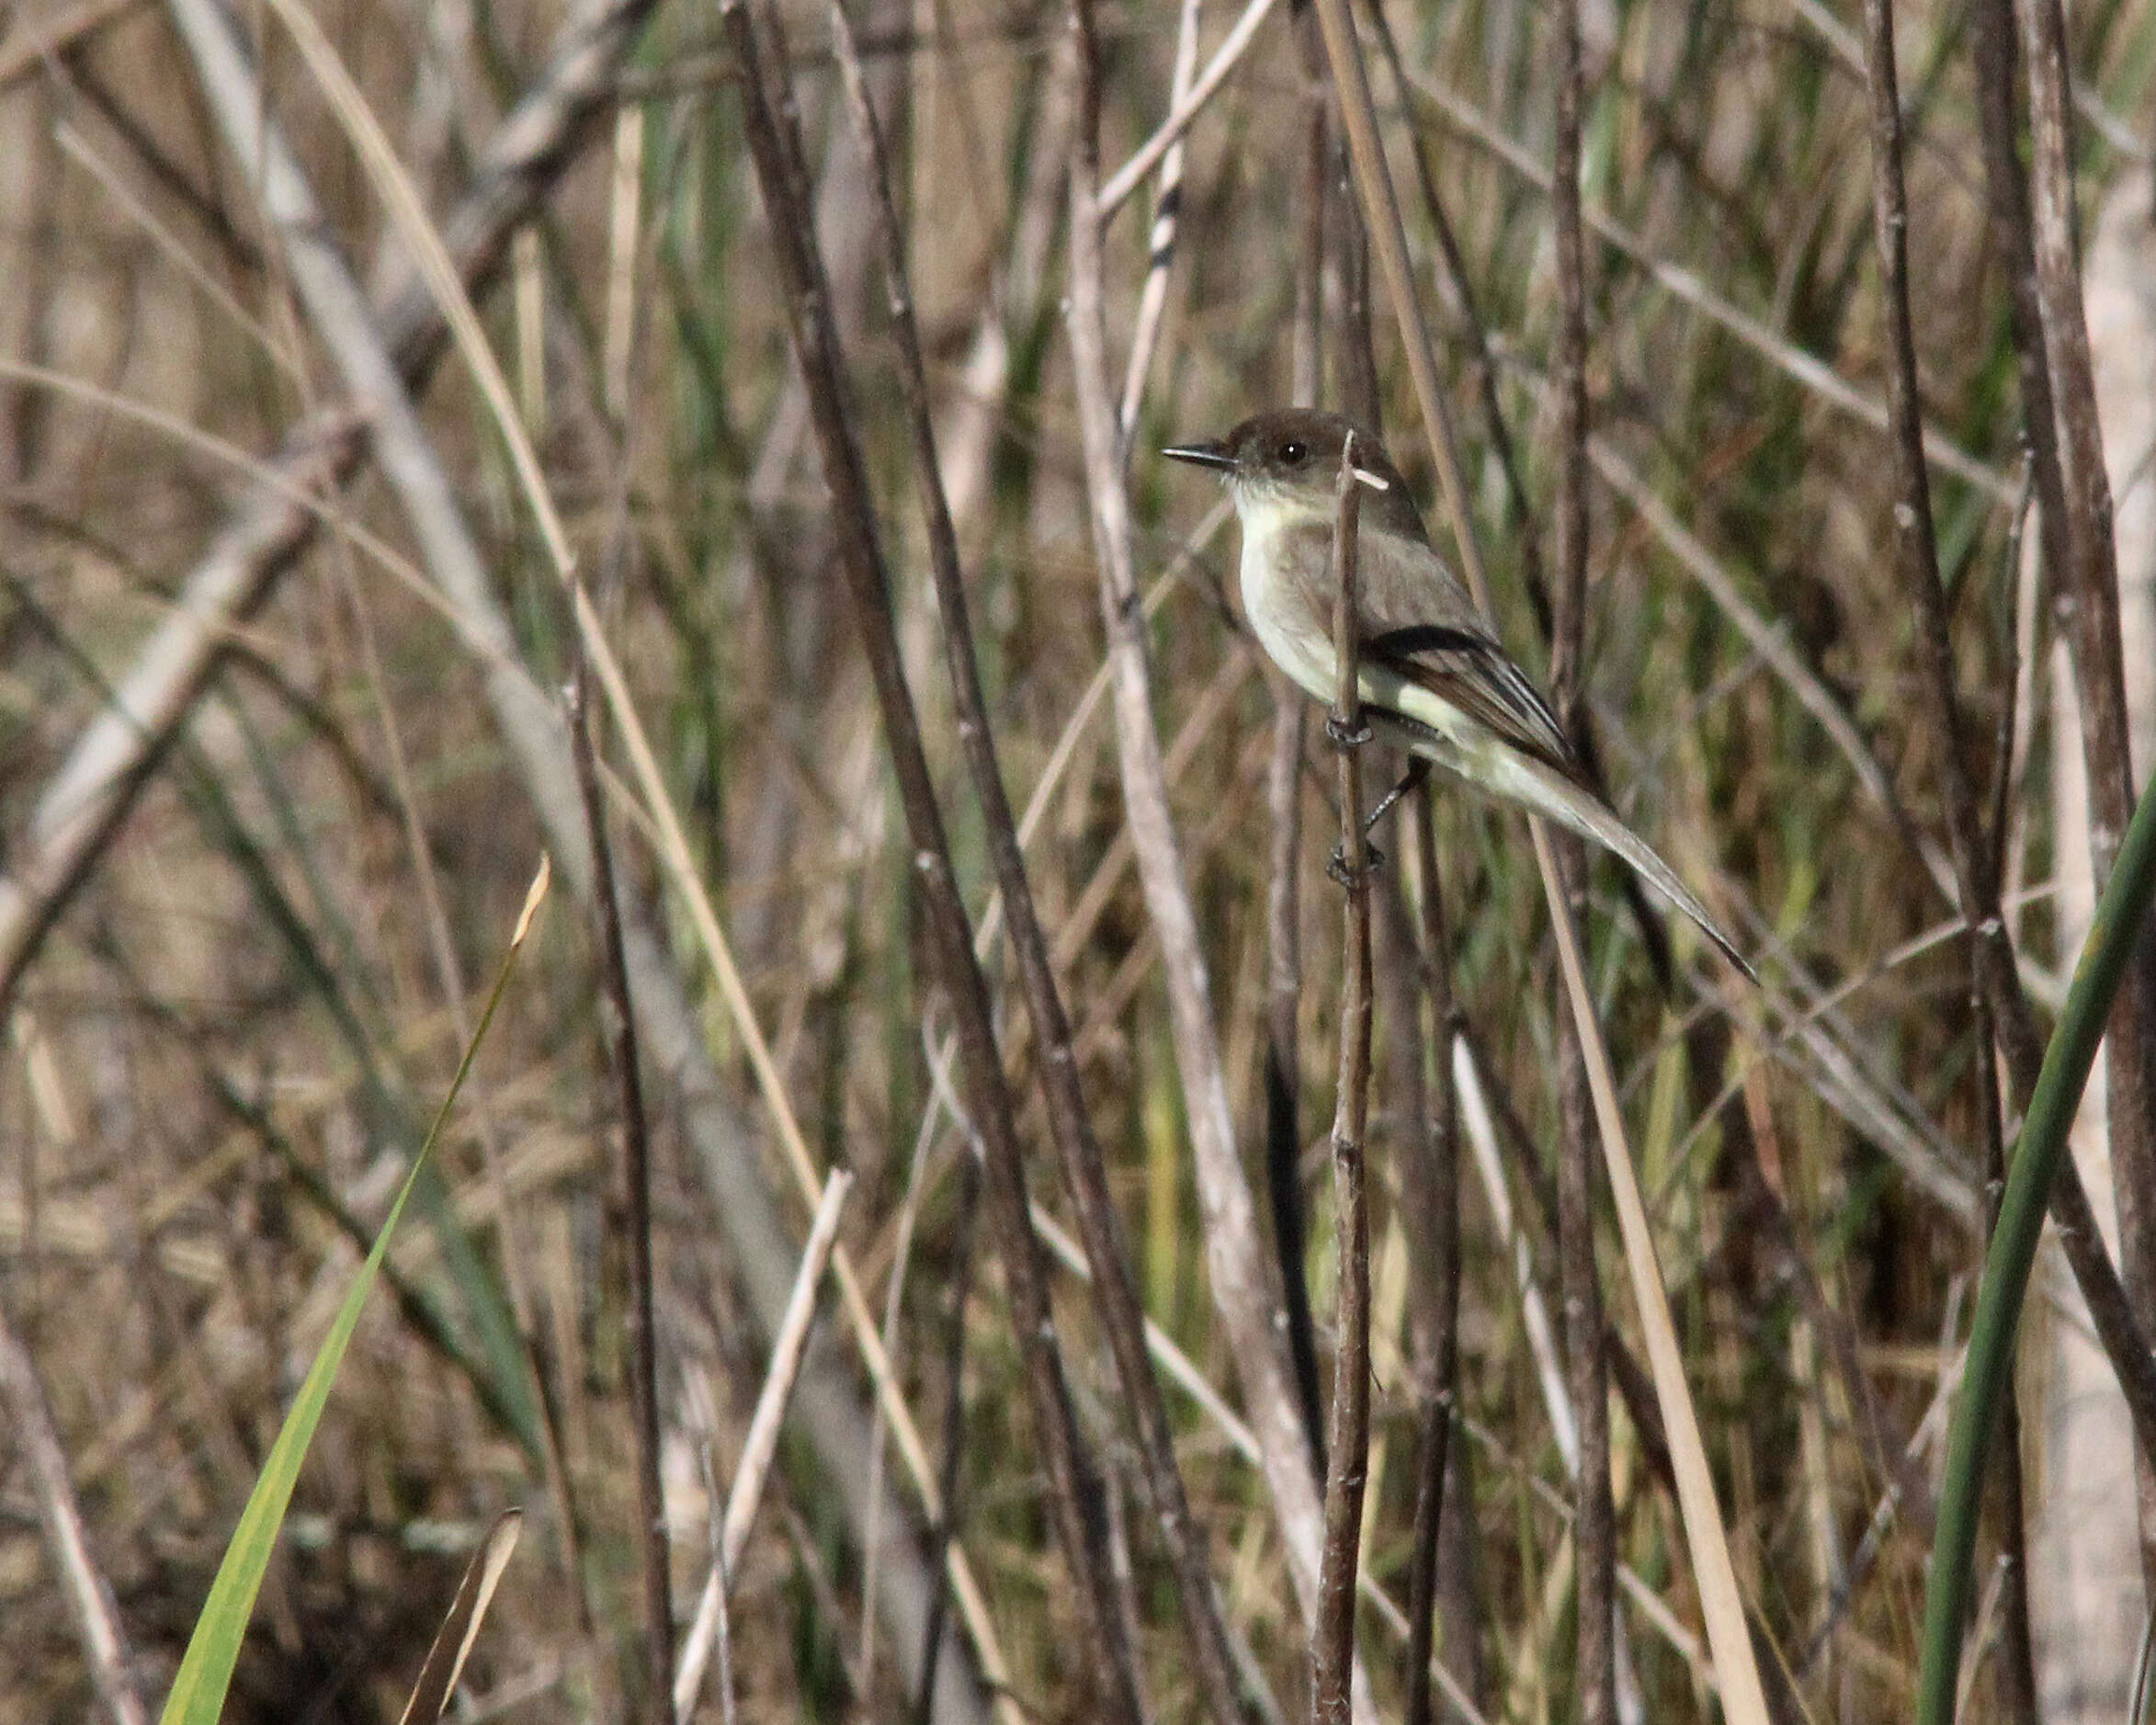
x=224 y=1052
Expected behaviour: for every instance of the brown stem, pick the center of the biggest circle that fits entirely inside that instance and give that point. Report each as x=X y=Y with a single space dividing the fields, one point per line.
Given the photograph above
x=36 y=1441
x=2017 y=1660
x=1333 y=1635
x=1283 y=1071
x=1075 y=1497
x=954 y=1436
x=1586 y=1369
x=1434 y=1192
x=619 y=1022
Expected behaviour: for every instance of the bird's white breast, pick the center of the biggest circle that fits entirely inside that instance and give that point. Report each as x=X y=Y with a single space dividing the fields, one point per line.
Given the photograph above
x=1296 y=642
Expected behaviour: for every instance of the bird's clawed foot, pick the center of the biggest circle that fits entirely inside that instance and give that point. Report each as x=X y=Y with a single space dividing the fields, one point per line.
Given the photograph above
x=1342 y=736
x=1340 y=869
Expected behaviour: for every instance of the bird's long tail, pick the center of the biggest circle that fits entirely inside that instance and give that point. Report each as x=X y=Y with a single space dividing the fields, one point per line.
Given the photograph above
x=1548 y=792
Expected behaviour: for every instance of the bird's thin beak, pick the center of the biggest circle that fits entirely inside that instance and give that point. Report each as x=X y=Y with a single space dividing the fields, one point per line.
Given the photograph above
x=1202 y=455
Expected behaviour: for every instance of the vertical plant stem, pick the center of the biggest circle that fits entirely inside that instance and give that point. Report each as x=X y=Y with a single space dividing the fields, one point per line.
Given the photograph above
x=1440 y=1132
x=1085 y=1168
x=36 y=1441
x=1333 y=1638
x=1587 y=1370
x=954 y=1436
x=2016 y=1663
x=1074 y=1497
x=1167 y=209
x=1283 y=1071
x=619 y=1023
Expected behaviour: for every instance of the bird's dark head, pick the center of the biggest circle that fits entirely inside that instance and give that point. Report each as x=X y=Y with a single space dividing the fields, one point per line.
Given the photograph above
x=1288 y=461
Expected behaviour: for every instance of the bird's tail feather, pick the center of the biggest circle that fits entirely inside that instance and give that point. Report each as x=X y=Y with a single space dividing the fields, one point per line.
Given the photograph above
x=1581 y=811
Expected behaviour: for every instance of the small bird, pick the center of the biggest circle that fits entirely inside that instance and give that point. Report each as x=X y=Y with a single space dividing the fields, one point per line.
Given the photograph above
x=1434 y=680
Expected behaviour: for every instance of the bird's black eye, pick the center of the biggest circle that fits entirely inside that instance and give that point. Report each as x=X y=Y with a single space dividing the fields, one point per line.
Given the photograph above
x=1293 y=453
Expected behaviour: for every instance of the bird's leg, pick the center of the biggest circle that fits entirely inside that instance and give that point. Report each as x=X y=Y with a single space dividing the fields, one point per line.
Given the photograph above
x=1418 y=770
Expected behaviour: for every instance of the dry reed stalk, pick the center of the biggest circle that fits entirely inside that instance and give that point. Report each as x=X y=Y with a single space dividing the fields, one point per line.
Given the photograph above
x=104 y=1640
x=760 y=1445
x=618 y=1030
x=1148 y=156
x=1167 y=209
x=1594 y=1662
x=1430 y=1188
x=1348 y=1439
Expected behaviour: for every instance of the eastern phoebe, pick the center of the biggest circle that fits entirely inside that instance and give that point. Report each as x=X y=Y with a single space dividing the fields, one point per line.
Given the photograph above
x=1434 y=680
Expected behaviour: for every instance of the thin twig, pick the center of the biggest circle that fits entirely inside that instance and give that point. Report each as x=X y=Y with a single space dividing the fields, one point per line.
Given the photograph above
x=1127 y=178
x=618 y=1023
x=1579 y=1282
x=760 y=1445
x=88 y=1594
x=1333 y=1633
x=1167 y=207
x=1432 y=1180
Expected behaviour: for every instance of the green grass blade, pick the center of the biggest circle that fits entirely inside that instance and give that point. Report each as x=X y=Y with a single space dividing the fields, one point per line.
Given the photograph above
x=198 y=1692
x=2036 y=1156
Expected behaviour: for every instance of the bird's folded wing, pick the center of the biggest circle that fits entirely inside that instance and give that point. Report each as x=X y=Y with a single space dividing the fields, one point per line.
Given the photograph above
x=1466 y=669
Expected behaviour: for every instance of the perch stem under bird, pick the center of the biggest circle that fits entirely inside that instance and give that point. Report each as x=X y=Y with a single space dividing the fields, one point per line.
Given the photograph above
x=1435 y=680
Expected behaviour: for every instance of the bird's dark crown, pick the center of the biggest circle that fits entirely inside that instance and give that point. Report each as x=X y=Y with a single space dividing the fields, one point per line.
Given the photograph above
x=1297 y=449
